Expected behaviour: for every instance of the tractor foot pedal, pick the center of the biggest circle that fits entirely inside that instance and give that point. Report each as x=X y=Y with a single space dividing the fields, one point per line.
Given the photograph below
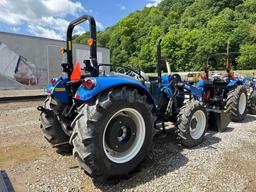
x=218 y=120
x=5 y=183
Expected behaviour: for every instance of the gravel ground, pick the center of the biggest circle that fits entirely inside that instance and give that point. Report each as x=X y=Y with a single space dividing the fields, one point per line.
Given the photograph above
x=17 y=93
x=224 y=162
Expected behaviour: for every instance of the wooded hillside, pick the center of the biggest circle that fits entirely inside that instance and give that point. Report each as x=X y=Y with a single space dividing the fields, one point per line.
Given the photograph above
x=190 y=29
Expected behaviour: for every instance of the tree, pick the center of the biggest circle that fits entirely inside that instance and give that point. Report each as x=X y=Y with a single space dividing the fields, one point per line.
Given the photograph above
x=190 y=29
x=247 y=60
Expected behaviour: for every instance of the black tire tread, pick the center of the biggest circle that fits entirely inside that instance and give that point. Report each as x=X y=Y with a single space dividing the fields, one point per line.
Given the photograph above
x=51 y=128
x=232 y=103
x=183 y=123
x=89 y=114
x=252 y=103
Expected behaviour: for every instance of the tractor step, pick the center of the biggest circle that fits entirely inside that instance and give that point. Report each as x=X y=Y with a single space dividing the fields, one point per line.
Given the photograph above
x=218 y=120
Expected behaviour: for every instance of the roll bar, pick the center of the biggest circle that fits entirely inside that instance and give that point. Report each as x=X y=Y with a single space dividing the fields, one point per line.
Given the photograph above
x=93 y=47
x=228 y=64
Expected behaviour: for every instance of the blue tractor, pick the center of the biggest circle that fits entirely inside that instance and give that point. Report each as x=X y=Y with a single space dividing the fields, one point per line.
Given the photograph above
x=109 y=118
x=251 y=83
x=235 y=91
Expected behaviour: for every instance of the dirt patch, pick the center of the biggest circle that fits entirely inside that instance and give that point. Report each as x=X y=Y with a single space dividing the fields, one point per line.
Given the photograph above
x=236 y=171
x=18 y=105
x=18 y=154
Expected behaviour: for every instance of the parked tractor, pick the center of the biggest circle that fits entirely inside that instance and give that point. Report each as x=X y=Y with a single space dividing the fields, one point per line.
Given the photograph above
x=247 y=86
x=251 y=83
x=109 y=118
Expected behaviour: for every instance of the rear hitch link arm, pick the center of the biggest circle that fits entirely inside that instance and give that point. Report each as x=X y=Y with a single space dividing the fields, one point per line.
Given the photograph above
x=42 y=109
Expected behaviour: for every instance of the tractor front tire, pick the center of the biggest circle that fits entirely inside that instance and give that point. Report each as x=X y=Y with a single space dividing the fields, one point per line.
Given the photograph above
x=52 y=130
x=236 y=103
x=113 y=133
x=252 y=103
x=191 y=125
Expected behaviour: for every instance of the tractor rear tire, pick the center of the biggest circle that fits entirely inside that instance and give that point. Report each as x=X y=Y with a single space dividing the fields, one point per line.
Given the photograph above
x=192 y=122
x=252 y=103
x=113 y=133
x=236 y=103
x=52 y=130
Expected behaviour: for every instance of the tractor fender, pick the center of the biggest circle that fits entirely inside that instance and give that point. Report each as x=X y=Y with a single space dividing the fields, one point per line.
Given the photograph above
x=233 y=83
x=200 y=83
x=105 y=83
x=59 y=90
x=246 y=79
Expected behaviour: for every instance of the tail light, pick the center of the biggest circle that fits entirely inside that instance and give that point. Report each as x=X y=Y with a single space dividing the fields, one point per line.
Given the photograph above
x=89 y=83
x=77 y=96
x=53 y=81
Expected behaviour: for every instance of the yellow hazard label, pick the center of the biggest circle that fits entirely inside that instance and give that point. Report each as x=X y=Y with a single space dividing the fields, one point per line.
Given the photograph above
x=60 y=89
x=69 y=45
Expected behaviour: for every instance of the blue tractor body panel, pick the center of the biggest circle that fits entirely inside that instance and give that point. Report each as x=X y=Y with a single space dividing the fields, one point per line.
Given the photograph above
x=107 y=82
x=254 y=84
x=201 y=83
x=194 y=90
x=232 y=83
x=246 y=79
x=251 y=82
x=165 y=80
x=59 y=90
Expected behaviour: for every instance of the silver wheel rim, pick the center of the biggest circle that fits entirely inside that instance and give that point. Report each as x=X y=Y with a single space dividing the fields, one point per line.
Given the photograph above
x=123 y=157
x=242 y=103
x=197 y=130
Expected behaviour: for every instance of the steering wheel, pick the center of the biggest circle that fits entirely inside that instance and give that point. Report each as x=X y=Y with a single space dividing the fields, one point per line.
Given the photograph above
x=126 y=71
x=129 y=72
x=175 y=78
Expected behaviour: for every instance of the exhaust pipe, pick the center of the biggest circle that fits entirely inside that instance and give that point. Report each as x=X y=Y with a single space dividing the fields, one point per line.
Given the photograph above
x=159 y=75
